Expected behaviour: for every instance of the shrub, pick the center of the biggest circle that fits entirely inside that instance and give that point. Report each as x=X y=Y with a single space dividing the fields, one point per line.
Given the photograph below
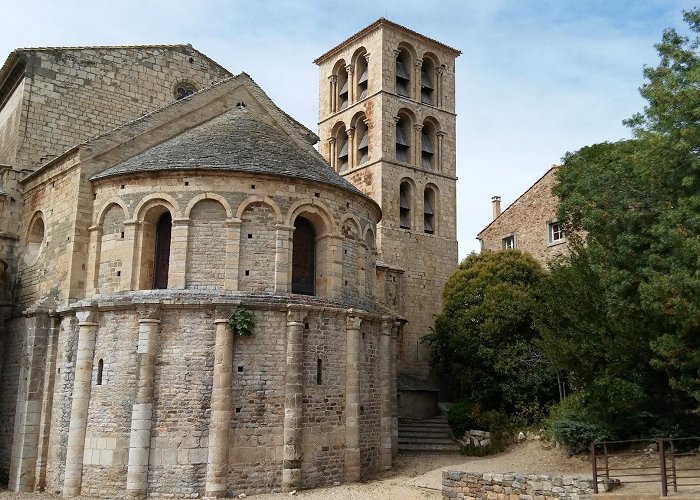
x=577 y=435
x=465 y=415
x=460 y=416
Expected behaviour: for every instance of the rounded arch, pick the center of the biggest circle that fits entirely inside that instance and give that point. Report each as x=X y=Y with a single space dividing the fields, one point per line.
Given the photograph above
x=361 y=51
x=342 y=85
x=361 y=64
x=316 y=212
x=107 y=205
x=432 y=57
x=209 y=196
x=430 y=119
x=359 y=123
x=339 y=66
x=151 y=200
x=405 y=46
x=353 y=220
x=370 y=238
x=431 y=208
x=405 y=56
x=265 y=200
x=405 y=112
x=35 y=239
x=340 y=125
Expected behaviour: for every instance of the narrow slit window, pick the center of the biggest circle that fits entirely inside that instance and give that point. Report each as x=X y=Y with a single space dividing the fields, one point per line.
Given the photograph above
x=100 y=369
x=319 y=372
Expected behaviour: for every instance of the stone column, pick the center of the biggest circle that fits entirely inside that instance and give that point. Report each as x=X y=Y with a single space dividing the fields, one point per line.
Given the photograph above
x=333 y=101
x=394 y=399
x=232 y=259
x=332 y=158
x=87 y=329
x=418 y=81
x=126 y=282
x=283 y=258
x=142 y=409
x=25 y=438
x=440 y=137
x=351 y=83
x=386 y=401
x=418 y=141
x=47 y=404
x=352 y=399
x=293 y=395
x=351 y=148
x=178 y=254
x=93 y=259
x=439 y=71
x=221 y=400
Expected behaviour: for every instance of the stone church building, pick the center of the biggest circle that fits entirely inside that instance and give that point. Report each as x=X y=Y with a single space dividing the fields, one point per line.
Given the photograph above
x=146 y=194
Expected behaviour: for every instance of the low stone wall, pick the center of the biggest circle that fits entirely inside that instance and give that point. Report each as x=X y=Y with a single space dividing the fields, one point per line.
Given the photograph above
x=511 y=486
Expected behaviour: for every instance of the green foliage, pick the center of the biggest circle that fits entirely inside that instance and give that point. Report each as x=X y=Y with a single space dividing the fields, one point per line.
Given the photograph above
x=576 y=435
x=465 y=415
x=621 y=314
x=485 y=343
x=242 y=322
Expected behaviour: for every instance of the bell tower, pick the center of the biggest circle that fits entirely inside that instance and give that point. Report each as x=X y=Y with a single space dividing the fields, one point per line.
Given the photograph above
x=387 y=124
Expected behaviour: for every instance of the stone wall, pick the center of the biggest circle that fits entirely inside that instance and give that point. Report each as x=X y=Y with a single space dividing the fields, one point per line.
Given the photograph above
x=472 y=486
x=73 y=94
x=426 y=259
x=527 y=220
x=10 y=116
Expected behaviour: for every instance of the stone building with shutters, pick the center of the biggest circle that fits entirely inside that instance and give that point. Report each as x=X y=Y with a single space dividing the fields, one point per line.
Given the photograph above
x=529 y=223
x=148 y=194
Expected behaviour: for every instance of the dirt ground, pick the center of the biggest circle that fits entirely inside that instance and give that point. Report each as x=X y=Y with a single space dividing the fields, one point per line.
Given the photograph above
x=419 y=476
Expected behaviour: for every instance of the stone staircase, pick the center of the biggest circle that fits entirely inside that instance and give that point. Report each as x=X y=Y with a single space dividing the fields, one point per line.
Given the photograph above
x=428 y=434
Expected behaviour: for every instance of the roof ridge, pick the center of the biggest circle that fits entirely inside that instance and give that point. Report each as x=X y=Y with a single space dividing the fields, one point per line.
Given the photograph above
x=127 y=46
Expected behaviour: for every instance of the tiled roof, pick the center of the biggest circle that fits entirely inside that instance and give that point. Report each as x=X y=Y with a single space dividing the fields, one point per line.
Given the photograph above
x=235 y=141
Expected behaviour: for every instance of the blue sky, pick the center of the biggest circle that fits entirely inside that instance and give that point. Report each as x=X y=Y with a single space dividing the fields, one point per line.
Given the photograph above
x=536 y=78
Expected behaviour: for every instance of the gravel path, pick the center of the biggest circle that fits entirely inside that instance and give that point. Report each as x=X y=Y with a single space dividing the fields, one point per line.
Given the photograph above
x=419 y=476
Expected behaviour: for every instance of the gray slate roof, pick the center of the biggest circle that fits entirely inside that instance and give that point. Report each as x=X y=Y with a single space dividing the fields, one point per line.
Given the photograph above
x=235 y=141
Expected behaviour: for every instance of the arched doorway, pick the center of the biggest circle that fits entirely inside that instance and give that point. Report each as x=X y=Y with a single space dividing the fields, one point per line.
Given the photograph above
x=161 y=262
x=303 y=257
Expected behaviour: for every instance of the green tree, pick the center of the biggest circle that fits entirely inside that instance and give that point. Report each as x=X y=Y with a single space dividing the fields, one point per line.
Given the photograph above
x=622 y=313
x=486 y=347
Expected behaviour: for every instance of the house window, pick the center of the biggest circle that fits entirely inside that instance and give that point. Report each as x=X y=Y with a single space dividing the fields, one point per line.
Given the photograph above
x=303 y=257
x=403 y=141
x=405 y=206
x=508 y=243
x=184 y=89
x=429 y=211
x=555 y=232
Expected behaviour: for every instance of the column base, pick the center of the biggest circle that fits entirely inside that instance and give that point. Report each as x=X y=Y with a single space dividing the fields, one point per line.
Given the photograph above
x=291 y=480
x=353 y=466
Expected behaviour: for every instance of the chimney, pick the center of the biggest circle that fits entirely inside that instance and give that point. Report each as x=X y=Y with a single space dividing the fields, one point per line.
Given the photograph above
x=496 y=206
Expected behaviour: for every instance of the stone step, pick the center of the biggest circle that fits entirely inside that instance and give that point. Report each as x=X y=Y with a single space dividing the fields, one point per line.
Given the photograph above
x=426 y=435
x=423 y=426
x=428 y=448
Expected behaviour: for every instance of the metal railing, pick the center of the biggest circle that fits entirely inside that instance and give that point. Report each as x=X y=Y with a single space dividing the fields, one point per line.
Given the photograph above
x=666 y=464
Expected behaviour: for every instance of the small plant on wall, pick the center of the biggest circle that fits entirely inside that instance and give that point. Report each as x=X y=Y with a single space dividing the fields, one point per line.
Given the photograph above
x=242 y=322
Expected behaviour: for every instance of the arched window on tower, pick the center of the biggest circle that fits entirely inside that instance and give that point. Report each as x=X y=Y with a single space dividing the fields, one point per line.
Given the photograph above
x=405 y=206
x=362 y=70
x=362 y=135
x=429 y=210
x=427 y=81
x=427 y=146
x=161 y=262
x=403 y=139
x=341 y=141
x=343 y=83
x=403 y=77
x=303 y=257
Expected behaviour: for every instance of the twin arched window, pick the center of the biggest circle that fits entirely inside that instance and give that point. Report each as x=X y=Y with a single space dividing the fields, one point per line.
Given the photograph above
x=429 y=207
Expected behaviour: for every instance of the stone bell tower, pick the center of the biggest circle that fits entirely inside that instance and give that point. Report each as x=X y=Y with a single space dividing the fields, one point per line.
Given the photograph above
x=387 y=124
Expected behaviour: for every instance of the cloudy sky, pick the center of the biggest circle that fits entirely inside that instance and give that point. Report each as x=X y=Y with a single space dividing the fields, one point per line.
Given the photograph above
x=536 y=78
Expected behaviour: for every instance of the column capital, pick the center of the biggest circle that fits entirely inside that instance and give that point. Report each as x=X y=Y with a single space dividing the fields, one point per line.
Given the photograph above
x=183 y=221
x=223 y=312
x=397 y=119
x=366 y=56
x=350 y=69
x=440 y=69
x=440 y=134
x=87 y=317
x=331 y=140
x=353 y=322
x=149 y=312
x=397 y=52
x=350 y=132
x=419 y=64
x=418 y=127
x=333 y=78
x=296 y=315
